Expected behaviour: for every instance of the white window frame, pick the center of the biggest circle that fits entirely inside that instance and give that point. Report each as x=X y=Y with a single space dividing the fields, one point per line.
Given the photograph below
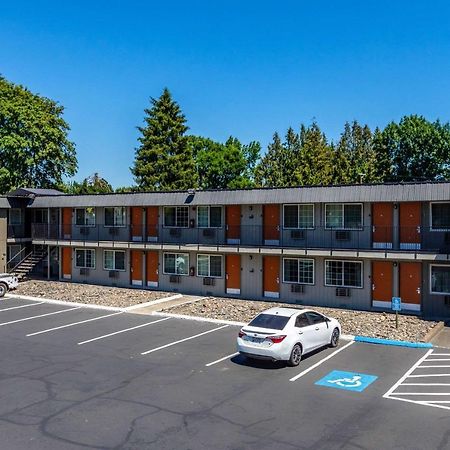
x=114 y=260
x=92 y=259
x=342 y=227
x=85 y=210
x=299 y=282
x=343 y=285
x=124 y=208
x=209 y=216
x=209 y=266
x=430 y=283
x=431 y=218
x=176 y=225
x=298 y=216
x=21 y=216
x=176 y=254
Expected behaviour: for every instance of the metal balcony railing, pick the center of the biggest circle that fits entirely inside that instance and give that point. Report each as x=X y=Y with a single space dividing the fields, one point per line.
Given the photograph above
x=363 y=238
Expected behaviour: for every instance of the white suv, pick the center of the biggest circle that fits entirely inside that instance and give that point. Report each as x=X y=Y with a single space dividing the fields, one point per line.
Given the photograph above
x=7 y=282
x=286 y=334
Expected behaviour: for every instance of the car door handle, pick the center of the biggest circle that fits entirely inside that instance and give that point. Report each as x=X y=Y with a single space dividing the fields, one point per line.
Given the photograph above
x=300 y=332
x=317 y=328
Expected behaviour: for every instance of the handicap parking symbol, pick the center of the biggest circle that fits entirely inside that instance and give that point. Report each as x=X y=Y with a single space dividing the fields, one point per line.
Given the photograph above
x=350 y=381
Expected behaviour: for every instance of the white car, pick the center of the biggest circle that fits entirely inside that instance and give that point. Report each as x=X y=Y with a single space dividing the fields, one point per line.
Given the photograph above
x=7 y=283
x=285 y=334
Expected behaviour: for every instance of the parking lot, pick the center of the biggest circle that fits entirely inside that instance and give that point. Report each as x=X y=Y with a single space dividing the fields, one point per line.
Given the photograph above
x=74 y=377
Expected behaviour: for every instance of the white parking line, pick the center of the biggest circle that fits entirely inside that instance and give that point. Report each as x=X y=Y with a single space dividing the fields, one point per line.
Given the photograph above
x=441 y=354
x=438 y=359
x=431 y=367
x=430 y=375
x=183 y=340
x=222 y=359
x=122 y=331
x=407 y=374
x=21 y=306
x=41 y=315
x=426 y=384
x=321 y=361
x=422 y=393
x=72 y=324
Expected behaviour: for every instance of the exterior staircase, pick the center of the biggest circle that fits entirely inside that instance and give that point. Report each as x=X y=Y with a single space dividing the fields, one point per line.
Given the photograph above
x=28 y=264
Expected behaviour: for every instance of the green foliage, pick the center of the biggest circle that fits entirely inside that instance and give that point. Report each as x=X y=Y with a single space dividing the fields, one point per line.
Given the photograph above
x=164 y=160
x=220 y=166
x=355 y=156
x=416 y=150
x=302 y=159
x=34 y=146
x=93 y=184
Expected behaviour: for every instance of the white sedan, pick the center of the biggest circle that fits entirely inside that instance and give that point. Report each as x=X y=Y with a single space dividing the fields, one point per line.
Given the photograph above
x=285 y=334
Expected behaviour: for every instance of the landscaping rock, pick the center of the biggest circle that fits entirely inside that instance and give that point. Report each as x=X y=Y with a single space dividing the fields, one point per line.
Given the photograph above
x=381 y=325
x=88 y=293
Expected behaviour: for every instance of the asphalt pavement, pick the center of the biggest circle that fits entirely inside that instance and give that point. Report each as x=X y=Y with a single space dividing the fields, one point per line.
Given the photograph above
x=97 y=379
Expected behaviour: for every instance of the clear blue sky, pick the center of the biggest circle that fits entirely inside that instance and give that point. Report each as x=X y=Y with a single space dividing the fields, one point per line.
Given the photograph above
x=246 y=68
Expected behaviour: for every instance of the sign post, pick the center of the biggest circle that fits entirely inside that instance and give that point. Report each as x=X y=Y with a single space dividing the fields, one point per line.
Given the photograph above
x=396 y=306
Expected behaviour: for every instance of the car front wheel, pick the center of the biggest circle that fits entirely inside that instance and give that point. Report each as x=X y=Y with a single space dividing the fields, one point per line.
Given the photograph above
x=334 y=338
x=3 y=289
x=296 y=355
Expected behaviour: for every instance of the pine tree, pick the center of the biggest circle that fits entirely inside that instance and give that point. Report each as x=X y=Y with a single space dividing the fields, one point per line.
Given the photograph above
x=271 y=170
x=164 y=160
x=315 y=161
x=357 y=155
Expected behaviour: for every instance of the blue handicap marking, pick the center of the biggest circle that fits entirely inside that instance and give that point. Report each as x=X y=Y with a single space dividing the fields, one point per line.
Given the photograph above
x=350 y=381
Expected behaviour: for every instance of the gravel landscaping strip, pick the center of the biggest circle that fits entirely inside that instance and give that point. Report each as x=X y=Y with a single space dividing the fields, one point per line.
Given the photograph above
x=380 y=325
x=88 y=293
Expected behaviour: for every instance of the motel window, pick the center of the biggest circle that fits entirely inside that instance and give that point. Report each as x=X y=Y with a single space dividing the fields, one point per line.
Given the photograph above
x=209 y=216
x=15 y=216
x=85 y=259
x=440 y=279
x=115 y=217
x=298 y=270
x=440 y=216
x=176 y=263
x=209 y=266
x=343 y=273
x=40 y=216
x=298 y=216
x=343 y=216
x=85 y=216
x=113 y=260
x=176 y=216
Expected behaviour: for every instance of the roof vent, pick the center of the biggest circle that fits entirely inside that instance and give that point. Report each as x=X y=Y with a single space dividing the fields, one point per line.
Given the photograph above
x=191 y=191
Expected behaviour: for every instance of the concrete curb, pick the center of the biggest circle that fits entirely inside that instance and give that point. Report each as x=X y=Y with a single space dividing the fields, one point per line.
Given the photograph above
x=198 y=319
x=153 y=302
x=434 y=331
x=370 y=340
x=62 y=302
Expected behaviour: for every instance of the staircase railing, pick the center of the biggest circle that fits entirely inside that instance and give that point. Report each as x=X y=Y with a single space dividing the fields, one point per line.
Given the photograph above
x=8 y=263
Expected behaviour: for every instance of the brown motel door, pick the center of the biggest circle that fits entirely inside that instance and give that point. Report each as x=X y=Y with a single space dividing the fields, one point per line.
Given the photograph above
x=271 y=218
x=136 y=267
x=152 y=223
x=381 y=284
x=152 y=269
x=382 y=220
x=66 y=256
x=233 y=271
x=271 y=274
x=136 y=224
x=67 y=223
x=410 y=222
x=233 y=213
x=411 y=285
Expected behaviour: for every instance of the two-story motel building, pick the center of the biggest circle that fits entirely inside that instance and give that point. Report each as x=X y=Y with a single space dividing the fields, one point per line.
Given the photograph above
x=344 y=246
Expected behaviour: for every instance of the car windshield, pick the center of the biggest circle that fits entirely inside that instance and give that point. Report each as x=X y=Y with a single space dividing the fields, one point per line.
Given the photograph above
x=269 y=321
